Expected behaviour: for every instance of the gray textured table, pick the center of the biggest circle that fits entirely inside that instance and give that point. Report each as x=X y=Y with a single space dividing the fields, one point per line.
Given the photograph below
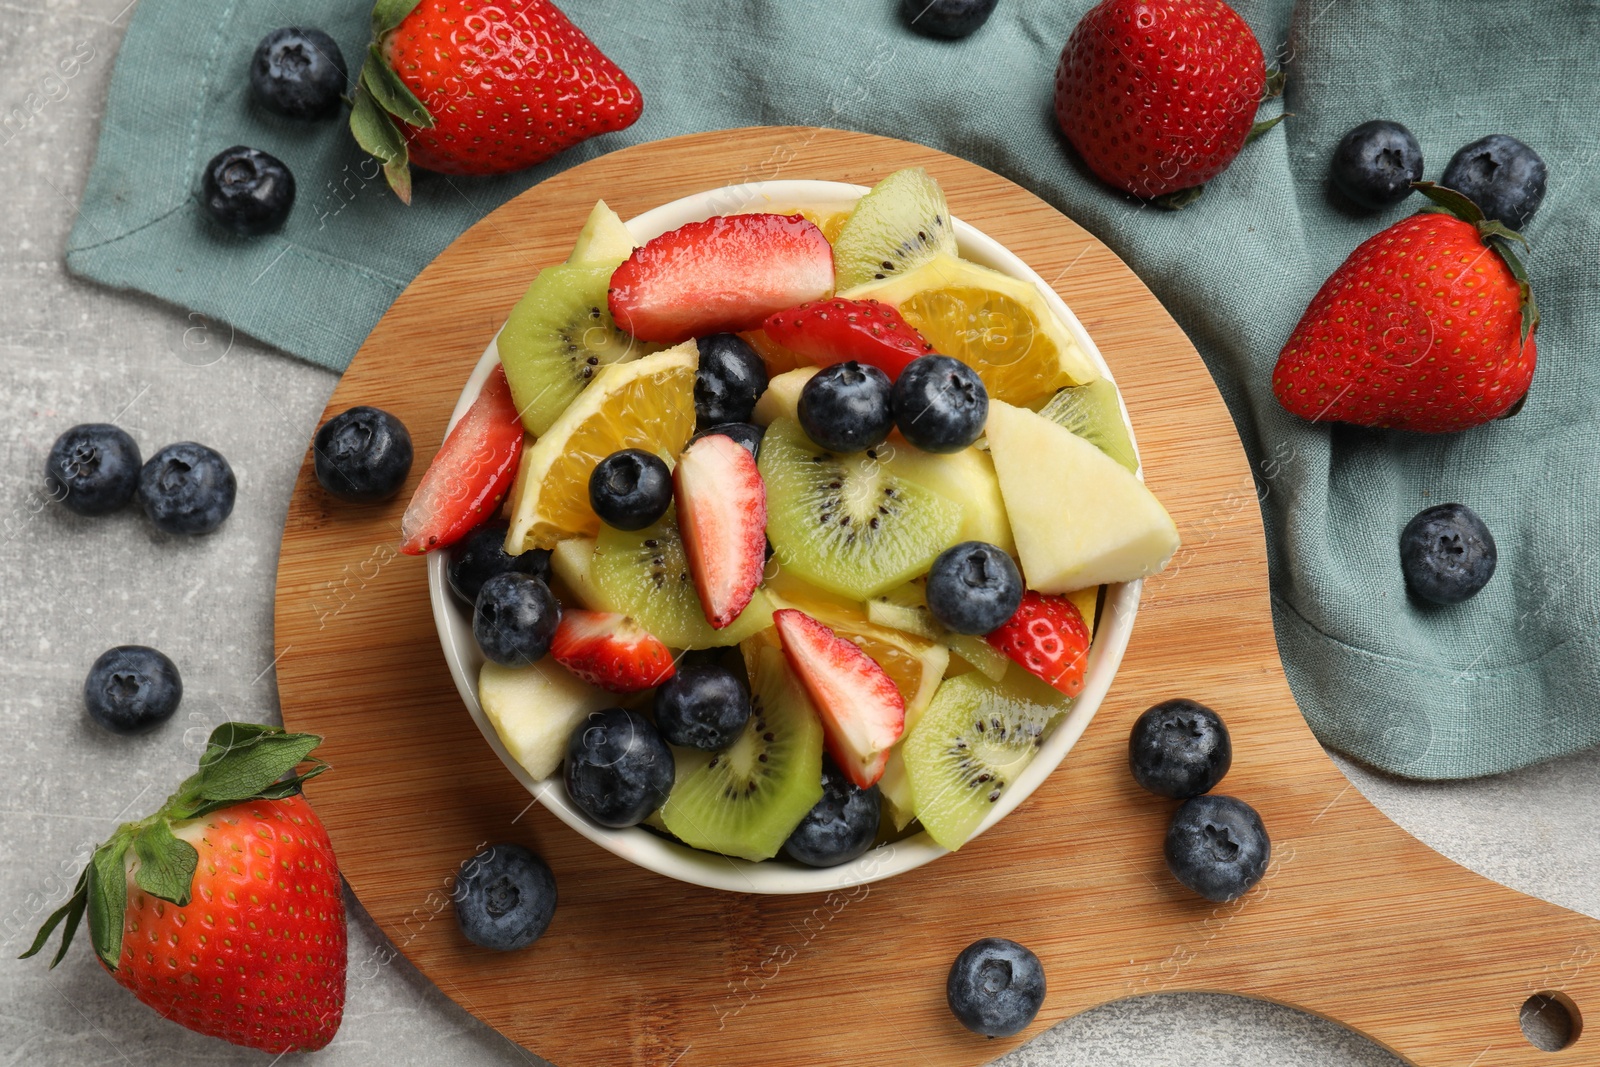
x=72 y=587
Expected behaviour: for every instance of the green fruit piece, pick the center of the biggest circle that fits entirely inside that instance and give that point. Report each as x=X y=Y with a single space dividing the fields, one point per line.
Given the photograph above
x=904 y=608
x=848 y=523
x=968 y=747
x=1094 y=413
x=898 y=226
x=748 y=799
x=645 y=574
x=686 y=762
x=557 y=337
x=603 y=242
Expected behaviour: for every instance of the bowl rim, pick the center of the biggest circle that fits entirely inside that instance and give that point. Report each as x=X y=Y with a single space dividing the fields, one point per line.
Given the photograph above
x=678 y=861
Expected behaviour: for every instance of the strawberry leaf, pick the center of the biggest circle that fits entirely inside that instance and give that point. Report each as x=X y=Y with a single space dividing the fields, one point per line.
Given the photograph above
x=1260 y=128
x=1276 y=78
x=1452 y=202
x=1177 y=201
x=391 y=93
x=376 y=132
x=1530 y=306
x=71 y=911
x=108 y=898
x=166 y=863
x=241 y=760
x=387 y=14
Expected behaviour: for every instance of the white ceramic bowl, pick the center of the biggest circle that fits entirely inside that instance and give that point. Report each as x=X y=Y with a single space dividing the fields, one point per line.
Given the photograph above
x=659 y=854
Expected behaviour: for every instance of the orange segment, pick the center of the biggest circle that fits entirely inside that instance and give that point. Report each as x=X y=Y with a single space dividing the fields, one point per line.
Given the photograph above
x=647 y=404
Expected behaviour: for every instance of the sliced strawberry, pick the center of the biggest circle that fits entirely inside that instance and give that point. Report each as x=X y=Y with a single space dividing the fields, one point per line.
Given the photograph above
x=470 y=476
x=722 y=514
x=610 y=651
x=834 y=331
x=863 y=713
x=1048 y=637
x=721 y=275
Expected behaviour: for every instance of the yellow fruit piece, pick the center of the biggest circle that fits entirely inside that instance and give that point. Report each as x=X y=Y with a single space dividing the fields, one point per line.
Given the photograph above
x=1080 y=519
x=603 y=242
x=782 y=398
x=534 y=710
x=648 y=404
x=997 y=325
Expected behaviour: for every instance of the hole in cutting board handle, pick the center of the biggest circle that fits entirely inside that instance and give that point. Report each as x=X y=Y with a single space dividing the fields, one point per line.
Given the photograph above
x=1551 y=1021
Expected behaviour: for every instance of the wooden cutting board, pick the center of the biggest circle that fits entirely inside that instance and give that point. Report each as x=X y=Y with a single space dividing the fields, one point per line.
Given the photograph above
x=1356 y=920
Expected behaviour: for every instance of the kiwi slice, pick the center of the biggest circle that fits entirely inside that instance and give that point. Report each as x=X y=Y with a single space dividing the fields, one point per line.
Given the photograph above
x=898 y=226
x=848 y=523
x=968 y=747
x=644 y=573
x=1094 y=413
x=748 y=799
x=559 y=334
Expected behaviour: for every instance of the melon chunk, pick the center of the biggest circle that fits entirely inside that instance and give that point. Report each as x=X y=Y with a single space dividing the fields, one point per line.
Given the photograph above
x=1079 y=518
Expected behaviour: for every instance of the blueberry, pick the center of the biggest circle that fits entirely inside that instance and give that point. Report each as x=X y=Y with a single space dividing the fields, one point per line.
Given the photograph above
x=187 y=488
x=514 y=619
x=630 y=489
x=1375 y=164
x=1500 y=174
x=973 y=587
x=1447 y=554
x=246 y=191
x=946 y=18
x=504 y=898
x=482 y=554
x=702 y=706
x=298 y=73
x=730 y=380
x=996 y=987
x=940 y=404
x=845 y=407
x=1217 y=846
x=619 y=769
x=362 y=454
x=840 y=827
x=93 y=469
x=131 y=689
x=745 y=433
x=1179 y=749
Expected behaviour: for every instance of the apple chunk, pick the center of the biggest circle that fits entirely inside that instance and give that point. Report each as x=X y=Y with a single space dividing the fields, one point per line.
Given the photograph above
x=1079 y=518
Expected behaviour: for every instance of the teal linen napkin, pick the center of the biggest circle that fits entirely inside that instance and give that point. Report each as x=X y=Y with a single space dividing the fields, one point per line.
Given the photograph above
x=1507 y=679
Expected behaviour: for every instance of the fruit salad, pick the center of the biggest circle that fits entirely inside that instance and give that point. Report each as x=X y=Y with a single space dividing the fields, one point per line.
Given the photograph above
x=786 y=532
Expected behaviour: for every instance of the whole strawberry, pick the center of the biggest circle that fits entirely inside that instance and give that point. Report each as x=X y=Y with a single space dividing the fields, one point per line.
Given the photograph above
x=467 y=87
x=1428 y=326
x=222 y=911
x=1158 y=96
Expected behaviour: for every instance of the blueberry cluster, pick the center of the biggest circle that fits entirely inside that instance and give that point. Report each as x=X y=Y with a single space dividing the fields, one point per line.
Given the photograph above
x=185 y=488
x=1216 y=845
x=1375 y=164
x=296 y=73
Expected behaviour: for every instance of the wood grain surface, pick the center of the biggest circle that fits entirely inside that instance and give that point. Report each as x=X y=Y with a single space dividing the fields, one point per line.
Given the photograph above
x=1356 y=920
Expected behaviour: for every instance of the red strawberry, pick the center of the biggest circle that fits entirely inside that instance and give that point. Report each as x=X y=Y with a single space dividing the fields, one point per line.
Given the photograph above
x=464 y=87
x=1427 y=326
x=721 y=275
x=610 y=651
x=1158 y=96
x=722 y=514
x=470 y=476
x=833 y=331
x=863 y=713
x=1048 y=637
x=222 y=911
